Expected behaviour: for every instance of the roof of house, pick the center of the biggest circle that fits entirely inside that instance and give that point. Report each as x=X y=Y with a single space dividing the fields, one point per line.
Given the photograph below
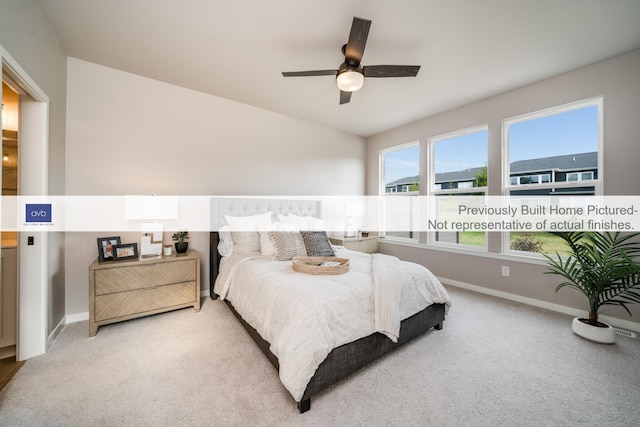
x=463 y=175
x=565 y=162
x=408 y=180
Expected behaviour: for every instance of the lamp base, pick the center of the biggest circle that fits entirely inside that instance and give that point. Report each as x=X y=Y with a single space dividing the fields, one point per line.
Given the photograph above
x=148 y=249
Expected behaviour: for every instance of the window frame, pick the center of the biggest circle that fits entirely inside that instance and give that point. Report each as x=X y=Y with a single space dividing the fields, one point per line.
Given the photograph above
x=382 y=192
x=433 y=191
x=507 y=187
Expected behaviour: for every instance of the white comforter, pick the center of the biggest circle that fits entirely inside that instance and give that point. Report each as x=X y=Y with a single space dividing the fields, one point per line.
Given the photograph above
x=305 y=316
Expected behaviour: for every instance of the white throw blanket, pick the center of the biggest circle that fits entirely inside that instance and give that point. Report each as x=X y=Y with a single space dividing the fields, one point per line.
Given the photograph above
x=387 y=288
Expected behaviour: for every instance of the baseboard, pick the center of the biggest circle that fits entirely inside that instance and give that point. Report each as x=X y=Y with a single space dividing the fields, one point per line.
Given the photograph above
x=78 y=317
x=56 y=331
x=81 y=317
x=620 y=323
x=613 y=321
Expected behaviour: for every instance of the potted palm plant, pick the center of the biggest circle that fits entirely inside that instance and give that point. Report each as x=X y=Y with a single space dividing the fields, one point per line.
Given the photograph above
x=179 y=237
x=603 y=267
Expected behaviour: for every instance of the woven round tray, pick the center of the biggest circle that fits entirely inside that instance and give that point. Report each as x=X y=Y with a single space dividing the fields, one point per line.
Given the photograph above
x=318 y=265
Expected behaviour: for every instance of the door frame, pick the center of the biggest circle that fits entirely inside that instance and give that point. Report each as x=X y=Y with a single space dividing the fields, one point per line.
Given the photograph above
x=33 y=146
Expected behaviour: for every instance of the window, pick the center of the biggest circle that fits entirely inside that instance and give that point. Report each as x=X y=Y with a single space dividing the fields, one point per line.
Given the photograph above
x=459 y=166
x=580 y=176
x=400 y=172
x=530 y=179
x=552 y=152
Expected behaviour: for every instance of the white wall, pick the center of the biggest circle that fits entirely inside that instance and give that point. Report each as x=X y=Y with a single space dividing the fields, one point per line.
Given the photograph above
x=27 y=36
x=128 y=134
x=618 y=81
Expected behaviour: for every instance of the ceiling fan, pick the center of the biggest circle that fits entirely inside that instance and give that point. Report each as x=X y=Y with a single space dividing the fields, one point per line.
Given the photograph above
x=350 y=75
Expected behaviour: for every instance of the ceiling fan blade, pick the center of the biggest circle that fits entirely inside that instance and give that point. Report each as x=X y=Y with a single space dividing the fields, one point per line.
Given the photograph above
x=391 y=70
x=345 y=97
x=357 y=41
x=309 y=73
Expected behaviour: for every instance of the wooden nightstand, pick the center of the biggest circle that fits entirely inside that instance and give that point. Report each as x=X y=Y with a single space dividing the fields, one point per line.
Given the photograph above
x=123 y=290
x=360 y=244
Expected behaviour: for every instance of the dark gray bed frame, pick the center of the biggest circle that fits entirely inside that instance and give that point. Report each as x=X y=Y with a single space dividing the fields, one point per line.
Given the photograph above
x=343 y=360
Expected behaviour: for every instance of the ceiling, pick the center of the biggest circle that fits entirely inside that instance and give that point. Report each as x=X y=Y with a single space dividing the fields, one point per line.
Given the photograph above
x=468 y=49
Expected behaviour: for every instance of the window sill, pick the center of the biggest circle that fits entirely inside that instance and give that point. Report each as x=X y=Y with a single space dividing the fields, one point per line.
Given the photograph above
x=480 y=252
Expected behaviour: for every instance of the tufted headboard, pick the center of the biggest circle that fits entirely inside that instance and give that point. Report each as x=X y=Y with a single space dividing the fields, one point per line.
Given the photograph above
x=243 y=206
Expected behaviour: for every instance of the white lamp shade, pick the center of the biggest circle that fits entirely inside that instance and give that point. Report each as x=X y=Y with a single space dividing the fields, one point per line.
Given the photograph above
x=151 y=207
x=350 y=80
x=356 y=207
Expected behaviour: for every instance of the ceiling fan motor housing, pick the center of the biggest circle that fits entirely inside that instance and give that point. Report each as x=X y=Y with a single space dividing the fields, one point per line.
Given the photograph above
x=349 y=78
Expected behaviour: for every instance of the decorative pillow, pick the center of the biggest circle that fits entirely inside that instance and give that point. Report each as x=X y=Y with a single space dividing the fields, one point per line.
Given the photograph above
x=288 y=244
x=244 y=231
x=317 y=243
x=266 y=245
x=306 y=223
x=225 y=247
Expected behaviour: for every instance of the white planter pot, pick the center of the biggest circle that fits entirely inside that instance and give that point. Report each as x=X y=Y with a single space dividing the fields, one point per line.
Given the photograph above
x=603 y=334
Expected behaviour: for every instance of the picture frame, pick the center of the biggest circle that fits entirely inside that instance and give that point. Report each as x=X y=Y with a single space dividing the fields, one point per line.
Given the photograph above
x=105 y=247
x=125 y=251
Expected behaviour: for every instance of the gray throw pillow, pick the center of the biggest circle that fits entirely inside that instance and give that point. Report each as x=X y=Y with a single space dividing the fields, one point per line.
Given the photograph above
x=317 y=243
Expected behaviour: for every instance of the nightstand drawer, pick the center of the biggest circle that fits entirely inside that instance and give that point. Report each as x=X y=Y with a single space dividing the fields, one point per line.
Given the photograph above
x=112 y=280
x=121 y=304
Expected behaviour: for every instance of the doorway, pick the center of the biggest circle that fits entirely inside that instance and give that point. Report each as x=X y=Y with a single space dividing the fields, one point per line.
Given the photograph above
x=33 y=143
x=9 y=239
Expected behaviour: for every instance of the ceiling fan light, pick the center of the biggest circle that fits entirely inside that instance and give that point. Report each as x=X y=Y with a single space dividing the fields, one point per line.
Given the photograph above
x=350 y=80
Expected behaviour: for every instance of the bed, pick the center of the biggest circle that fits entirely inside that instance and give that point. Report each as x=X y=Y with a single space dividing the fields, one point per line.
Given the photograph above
x=336 y=354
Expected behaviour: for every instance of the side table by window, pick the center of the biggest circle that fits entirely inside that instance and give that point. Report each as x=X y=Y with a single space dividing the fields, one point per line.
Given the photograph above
x=360 y=244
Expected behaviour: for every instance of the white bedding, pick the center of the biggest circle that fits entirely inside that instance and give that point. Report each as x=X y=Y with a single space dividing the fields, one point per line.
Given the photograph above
x=305 y=316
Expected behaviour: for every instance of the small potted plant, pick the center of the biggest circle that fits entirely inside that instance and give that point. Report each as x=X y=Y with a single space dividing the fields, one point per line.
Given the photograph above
x=603 y=267
x=179 y=237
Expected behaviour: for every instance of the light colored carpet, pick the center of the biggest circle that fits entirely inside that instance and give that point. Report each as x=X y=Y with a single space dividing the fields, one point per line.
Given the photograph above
x=495 y=363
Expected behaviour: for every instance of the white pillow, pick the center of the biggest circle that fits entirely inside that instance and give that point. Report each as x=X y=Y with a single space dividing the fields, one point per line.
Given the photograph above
x=306 y=223
x=244 y=231
x=225 y=246
x=249 y=222
x=266 y=244
x=245 y=241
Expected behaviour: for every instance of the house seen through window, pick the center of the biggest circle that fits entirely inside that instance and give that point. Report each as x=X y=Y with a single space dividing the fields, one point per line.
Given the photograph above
x=401 y=177
x=552 y=152
x=545 y=153
x=459 y=166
